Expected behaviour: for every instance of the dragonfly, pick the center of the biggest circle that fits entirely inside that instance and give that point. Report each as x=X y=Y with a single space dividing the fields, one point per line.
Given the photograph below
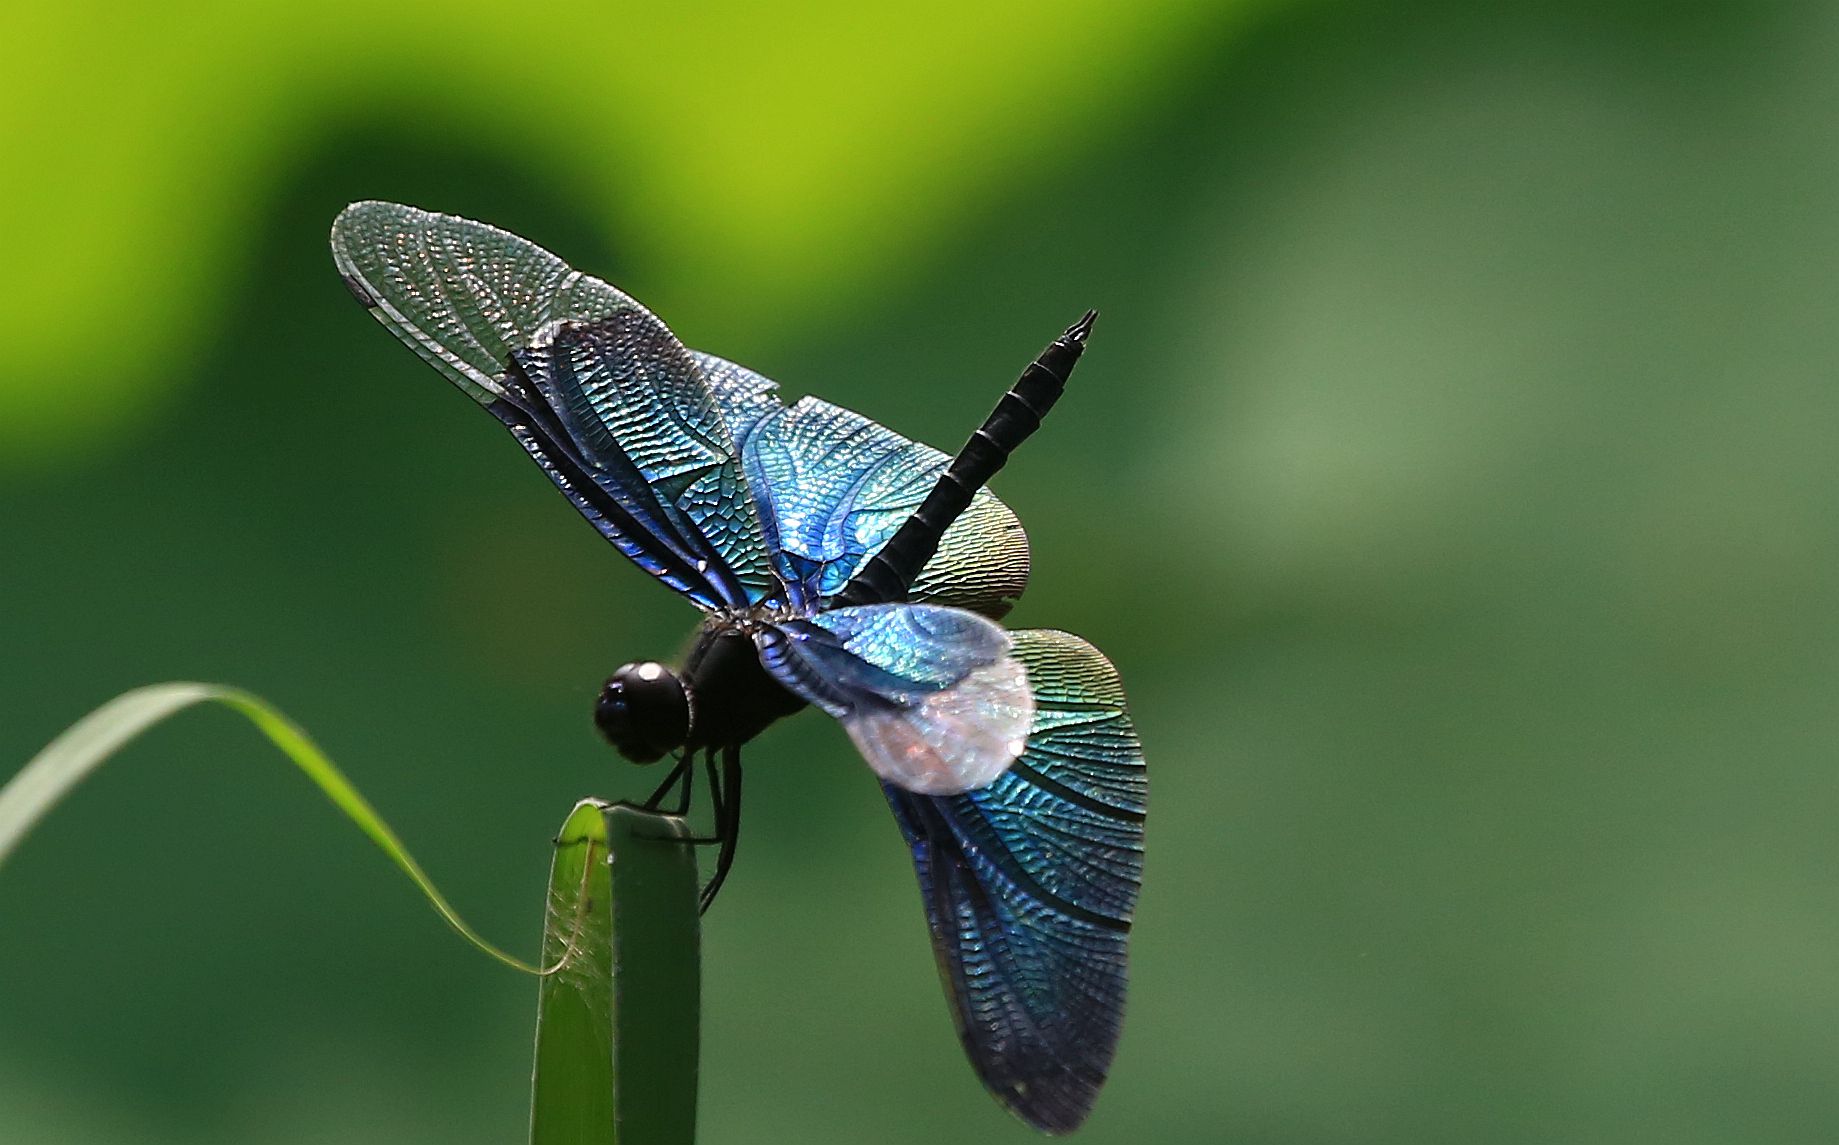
x=840 y=566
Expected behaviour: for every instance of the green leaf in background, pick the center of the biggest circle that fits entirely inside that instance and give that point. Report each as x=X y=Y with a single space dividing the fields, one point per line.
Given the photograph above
x=617 y=1022
x=774 y=158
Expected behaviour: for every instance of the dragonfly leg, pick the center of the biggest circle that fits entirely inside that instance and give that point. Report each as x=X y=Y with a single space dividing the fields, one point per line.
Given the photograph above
x=683 y=772
x=717 y=805
x=718 y=798
x=727 y=799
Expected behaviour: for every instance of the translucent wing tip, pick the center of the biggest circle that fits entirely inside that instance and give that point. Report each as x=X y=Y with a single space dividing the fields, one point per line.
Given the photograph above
x=954 y=740
x=361 y=208
x=349 y=229
x=364 y=228
x=381 y=254
x=367 y=213
x=362 y=220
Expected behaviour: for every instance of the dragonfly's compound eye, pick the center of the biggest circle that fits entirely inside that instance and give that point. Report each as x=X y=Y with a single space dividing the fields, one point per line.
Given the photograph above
x=643 y=711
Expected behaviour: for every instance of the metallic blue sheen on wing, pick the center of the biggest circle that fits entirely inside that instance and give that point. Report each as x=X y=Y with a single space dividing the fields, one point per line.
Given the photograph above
x=840 y=659
x=743 y=396
x=925 y=644
x=839 y=484
x=833 y=488
x=931 y=696
x=637 y=408
x=1029 y=886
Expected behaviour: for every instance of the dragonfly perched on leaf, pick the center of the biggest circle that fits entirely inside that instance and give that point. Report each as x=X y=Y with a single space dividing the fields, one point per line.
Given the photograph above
x=837 y=565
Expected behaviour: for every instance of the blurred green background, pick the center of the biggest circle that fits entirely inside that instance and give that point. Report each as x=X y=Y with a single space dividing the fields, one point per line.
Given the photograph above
x=1451 y=477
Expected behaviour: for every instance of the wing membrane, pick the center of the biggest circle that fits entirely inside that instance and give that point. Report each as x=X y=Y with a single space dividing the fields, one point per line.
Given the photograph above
x=1029 y=886
x=597 y=389
x=743 y=396
x=462 y=294
x=634 y=404
x=835 y=486
x=932 y=696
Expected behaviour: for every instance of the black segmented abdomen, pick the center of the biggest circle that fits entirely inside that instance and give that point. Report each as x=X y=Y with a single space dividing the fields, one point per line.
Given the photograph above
x=891 y=571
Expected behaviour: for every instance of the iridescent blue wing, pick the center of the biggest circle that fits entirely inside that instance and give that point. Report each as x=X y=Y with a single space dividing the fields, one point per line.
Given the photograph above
x=743 y=396
x=634 y=403
x=933 y=697
x=834 y=486
x=1029 y=887
x=597 y=390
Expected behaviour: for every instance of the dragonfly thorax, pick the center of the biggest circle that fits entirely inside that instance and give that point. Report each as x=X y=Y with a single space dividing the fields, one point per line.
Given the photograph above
x=643 y=711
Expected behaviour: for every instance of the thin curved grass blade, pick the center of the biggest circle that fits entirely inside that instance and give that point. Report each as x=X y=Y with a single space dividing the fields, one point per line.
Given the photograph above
x=617 y=1022
x=90 y=742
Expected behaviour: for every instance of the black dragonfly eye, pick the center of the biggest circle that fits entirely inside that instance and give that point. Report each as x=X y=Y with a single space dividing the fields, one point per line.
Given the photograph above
x=643 y=711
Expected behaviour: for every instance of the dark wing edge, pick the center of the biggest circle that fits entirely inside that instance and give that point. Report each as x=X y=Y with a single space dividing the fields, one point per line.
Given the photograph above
x=1030 y=884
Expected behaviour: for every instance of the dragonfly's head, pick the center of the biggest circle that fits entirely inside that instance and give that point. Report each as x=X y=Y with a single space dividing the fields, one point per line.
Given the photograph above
x=643 y=711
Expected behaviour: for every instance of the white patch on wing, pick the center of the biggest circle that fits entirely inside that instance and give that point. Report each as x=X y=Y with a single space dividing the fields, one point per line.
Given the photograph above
x=957 y=739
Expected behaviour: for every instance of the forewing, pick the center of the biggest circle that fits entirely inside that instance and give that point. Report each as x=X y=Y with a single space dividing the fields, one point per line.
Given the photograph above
x=1029 y=887
x=595 y=387
x=933 y=697
x=835 y=486
x=635 y=405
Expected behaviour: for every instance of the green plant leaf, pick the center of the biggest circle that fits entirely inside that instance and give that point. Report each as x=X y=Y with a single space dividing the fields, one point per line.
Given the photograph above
x=87 y=744
x=617 y=1021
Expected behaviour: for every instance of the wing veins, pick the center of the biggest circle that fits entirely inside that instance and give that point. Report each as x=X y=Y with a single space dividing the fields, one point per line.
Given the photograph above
x=1027 y=884
x=983 y=907
x=1026 y=771
x=398 y=321
x=446 y=296
x=673 y=529
x=1043 y=823
x=837 y=524
x=958 y=865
